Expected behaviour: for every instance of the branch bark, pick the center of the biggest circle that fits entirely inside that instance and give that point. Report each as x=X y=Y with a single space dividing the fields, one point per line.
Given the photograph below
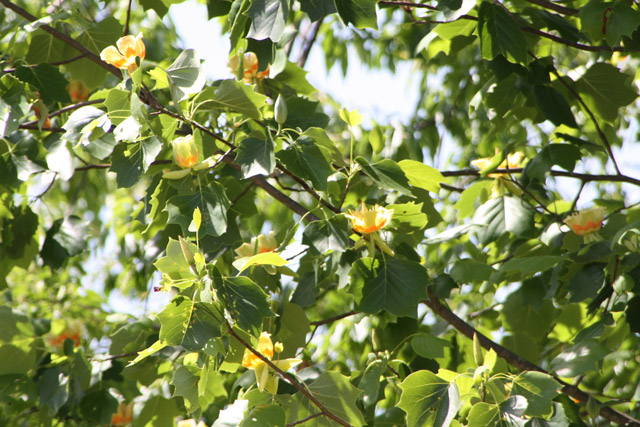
x=514 y=360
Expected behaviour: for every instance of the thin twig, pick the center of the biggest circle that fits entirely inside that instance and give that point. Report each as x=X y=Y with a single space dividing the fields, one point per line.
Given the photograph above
x=288 y=378
x=68 y=40
x=601 y=134
x=304 y=420
x=407 y=4
x=333 y=319
x=555 y=7
x=66 y=61
x=126 y=24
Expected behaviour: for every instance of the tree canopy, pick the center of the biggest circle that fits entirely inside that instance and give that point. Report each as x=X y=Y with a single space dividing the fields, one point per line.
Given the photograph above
x=475 y=264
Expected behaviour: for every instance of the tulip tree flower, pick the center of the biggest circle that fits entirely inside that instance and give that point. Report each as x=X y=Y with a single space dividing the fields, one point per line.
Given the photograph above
x=265 y=377
x=513 y=161
x=186 y=155
x=123 y=416
x=587 y=223
x=124 y=57
x=259 y=245
x=368 y=222
x=247 y=66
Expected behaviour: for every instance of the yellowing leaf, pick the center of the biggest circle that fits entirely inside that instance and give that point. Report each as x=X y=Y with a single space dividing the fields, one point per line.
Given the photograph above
x=266 y=258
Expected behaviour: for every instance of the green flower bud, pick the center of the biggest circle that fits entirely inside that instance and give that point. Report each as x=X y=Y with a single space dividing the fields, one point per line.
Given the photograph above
x=280 y=110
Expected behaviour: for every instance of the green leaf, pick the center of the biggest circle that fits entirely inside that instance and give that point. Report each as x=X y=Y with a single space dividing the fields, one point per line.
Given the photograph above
x=186 y=385
x=155 y=347
x=98 y=406
x=95 y=38
x=421 y=392
x=308 y=160
x=174 y=320
x=530 y=265
x=130 y=161
x=500 y=34
x=466 y=202
x=50 y=83
x=204 y=324
x=623 y=21
x=539 y=389
x=118 y=105
x=256 y=156
x=605 y=89
x=316 y=9
x=428 y=346
x=294 y=327
x=268 y=19
x=579 y=359
x=53 y=387
x=386 y=173
x=65 y=238
x=360 y=13
x=408 y=217
x=270 y=415
x=502 y=214
x=554 y=106
x=469 y=270
x=563 y=155
x=519 y=316
x=175 y=266
x=586 y=282
x=327 y=235
x=295 y=78
x=421 y=175
x=45 y=48
x=336 y=393
x=235 y=96
x=185 y=75
x=158 y=412
x=305 y=114
x=213 y=204
x=396 y=286
x=352 y=118
x=16 y=358
x=245 y=301
x=483 y=414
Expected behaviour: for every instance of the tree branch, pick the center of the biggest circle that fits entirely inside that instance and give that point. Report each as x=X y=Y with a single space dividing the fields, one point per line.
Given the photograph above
x=309 y=42
x=66 y=61
x=406 y=4
x=333 y=319
x=288 y=379
x=555 y=7
x=524 y=365
x=126 y=24
x=68 y=40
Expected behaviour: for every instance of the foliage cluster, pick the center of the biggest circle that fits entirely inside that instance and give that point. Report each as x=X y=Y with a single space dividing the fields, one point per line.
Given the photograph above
x=488 y=297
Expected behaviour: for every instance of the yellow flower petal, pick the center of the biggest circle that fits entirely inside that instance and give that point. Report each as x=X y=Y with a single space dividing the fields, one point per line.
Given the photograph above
x=368 y=221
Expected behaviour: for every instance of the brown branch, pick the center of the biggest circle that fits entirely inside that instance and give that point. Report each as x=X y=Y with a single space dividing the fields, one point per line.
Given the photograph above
x=75 y=107
x=126 y=24
x=524 y=365
x=68 y=40
x=581 y=176
x=307 y=188
x=309 y=42
x=34 y=126
x=288 y=379
x=332 y=319
x=406 y=4
x=305 y=419
x=601 y=134
x=555 y=7
x=66 y=61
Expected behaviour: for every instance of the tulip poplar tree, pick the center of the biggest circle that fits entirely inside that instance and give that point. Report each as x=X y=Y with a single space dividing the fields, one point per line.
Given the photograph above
x=475 y=264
